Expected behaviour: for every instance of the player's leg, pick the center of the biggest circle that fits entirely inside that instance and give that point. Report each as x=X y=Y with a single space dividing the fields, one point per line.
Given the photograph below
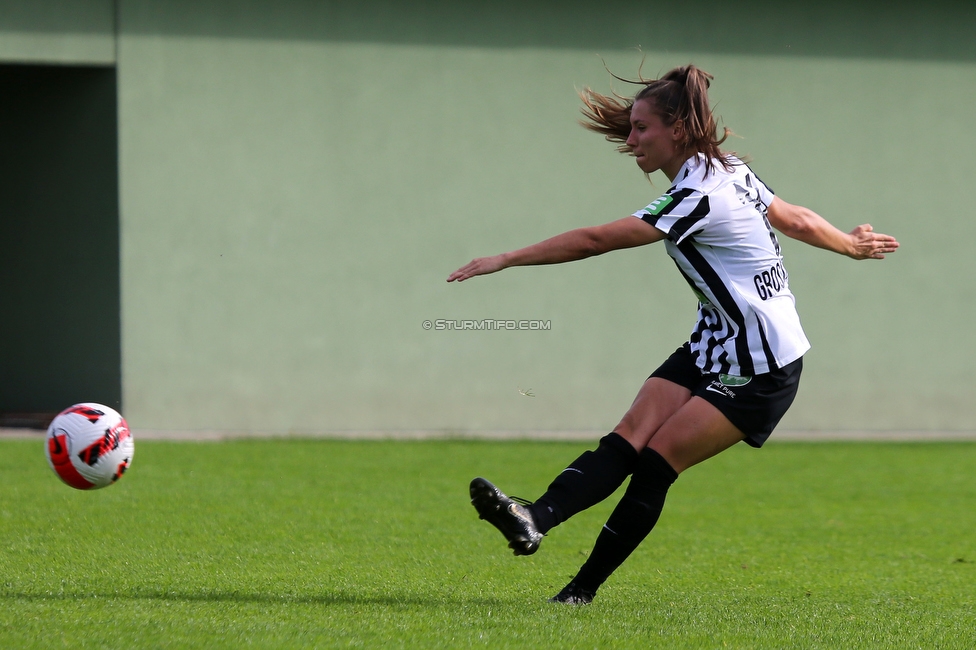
x=589 y=479
x=722 y=410
x=597 y=474
x=695 y=433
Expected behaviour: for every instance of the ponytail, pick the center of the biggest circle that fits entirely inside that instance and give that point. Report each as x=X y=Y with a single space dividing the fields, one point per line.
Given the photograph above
x=681 y=94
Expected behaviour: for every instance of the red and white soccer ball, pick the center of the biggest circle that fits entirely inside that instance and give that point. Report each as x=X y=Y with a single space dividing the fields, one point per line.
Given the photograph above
x=89 y=446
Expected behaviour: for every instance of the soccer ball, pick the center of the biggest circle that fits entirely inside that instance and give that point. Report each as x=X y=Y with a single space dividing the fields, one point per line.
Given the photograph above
x=89 y=446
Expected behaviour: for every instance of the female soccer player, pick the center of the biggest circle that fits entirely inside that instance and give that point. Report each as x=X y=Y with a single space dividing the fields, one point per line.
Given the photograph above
x=738 y=373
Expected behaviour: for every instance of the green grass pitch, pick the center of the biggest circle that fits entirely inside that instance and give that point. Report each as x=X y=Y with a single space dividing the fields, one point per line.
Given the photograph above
x=316 y=543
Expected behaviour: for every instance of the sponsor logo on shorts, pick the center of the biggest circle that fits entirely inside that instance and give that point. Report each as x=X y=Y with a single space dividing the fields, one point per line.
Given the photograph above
x=717 y=387
x=725 y=383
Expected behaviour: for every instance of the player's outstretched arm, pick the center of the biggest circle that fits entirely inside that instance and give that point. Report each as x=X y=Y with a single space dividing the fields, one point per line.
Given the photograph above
x=807 y=226
x=568 y=247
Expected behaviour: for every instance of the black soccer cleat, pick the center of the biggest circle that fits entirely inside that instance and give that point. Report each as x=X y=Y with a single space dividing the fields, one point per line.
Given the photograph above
x=512 y=519
x=573 y=594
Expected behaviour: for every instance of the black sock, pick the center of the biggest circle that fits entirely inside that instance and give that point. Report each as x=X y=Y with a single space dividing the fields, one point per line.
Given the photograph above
x=631 y=520
x=588 y=480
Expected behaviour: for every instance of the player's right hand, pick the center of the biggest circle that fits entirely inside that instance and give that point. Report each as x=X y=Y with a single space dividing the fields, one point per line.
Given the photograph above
x=478 y=266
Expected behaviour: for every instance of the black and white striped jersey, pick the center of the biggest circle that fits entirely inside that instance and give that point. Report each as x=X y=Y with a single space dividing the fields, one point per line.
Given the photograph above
x=719 y=236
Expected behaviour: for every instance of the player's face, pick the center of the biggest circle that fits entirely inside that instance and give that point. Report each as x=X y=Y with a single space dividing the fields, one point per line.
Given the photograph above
x=654 y=145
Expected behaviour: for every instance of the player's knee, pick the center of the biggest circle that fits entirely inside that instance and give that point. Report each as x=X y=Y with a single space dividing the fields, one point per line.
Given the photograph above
x=671 y=454
x=627 y=429
x=621 y=446
x=654 y=473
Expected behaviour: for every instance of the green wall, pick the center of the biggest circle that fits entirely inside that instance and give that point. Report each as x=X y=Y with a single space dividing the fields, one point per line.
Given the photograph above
x=58 y=31
x=298 y=179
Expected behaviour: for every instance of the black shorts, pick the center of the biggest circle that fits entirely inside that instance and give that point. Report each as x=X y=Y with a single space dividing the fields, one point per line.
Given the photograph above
x=755 y=405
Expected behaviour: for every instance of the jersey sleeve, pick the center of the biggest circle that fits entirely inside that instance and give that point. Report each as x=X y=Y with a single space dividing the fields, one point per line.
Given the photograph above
x=678 y=214
x=766 y=194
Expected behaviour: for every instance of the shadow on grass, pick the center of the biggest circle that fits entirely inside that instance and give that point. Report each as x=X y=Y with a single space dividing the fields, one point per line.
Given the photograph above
x=216 y=596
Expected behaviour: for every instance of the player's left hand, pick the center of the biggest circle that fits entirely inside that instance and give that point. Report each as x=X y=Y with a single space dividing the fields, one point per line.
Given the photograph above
x=869 y=245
